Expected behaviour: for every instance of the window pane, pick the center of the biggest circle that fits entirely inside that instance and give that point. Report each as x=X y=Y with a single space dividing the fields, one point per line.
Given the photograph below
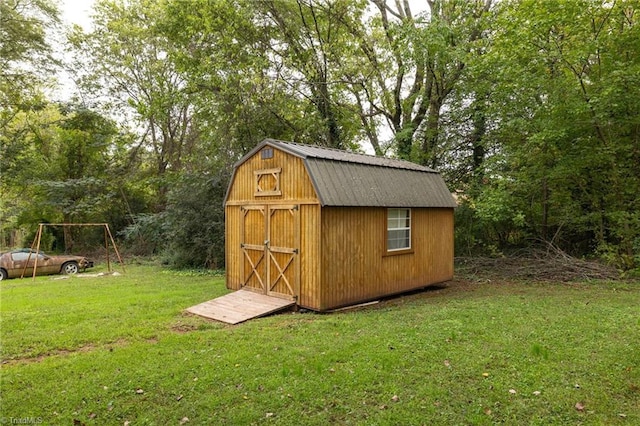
x=399 y=239
x=406 y=219
x=21 y=256
x=395 y=242
x=398 y=229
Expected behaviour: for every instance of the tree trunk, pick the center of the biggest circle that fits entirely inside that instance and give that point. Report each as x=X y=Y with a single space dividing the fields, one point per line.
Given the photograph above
x=428 y=156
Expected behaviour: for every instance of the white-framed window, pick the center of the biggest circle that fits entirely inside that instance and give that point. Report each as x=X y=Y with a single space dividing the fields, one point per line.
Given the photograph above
x=398 y=229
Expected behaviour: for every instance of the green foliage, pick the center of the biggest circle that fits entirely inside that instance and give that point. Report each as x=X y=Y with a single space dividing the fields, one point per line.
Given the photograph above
x=60 y=165
x=467 y=231
x=566 y=144
x=190 y=232
x=530 y=109
x=489 y=224
x=146 y=236
x=195 y=222
x=244 y=58
x=127 y=61
x=25 y=54
x=434 y=53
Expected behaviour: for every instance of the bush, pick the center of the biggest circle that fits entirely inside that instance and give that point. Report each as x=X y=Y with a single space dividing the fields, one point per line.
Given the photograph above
x=195 y=221
x=147 y=235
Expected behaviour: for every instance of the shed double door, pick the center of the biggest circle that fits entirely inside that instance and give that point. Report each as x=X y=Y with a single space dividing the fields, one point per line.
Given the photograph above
x=270 y=249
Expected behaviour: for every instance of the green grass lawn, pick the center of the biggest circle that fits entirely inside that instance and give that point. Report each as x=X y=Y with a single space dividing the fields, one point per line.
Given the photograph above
x=117 y=350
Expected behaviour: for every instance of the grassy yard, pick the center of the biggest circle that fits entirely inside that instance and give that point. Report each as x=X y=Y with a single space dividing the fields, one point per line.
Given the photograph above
x=116 y=350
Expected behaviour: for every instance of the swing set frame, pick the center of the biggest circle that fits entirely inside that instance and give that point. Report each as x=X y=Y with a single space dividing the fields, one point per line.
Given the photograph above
x=108 y=238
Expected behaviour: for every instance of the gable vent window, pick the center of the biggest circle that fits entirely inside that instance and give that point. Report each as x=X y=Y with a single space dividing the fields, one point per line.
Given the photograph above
x=267 y=182
x=398 y=229
x=266 y=153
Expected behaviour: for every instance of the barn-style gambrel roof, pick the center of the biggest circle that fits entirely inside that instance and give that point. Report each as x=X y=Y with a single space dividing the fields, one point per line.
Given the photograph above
x=348 y=179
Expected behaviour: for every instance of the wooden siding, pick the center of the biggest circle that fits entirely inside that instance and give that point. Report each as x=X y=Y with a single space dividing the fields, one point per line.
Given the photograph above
x=356 y=267
x=294 y=182
x=232 y=251
x=306 y=266
x=310 y=257
x=289 y=221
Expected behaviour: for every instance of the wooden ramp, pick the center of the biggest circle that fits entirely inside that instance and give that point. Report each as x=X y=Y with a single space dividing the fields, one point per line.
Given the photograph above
x=239 y=306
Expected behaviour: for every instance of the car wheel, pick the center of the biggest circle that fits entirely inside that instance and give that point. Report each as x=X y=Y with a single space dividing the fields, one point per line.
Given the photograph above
x=3 y=275
x=70 y=268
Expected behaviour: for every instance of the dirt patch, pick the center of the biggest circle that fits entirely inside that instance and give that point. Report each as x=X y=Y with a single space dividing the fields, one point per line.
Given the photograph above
x=39 y=358
x=90 y=347
x=183 y=328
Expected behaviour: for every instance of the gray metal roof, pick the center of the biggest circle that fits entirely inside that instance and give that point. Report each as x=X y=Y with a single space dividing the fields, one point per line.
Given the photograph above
x=344 y=178
x=313 y=151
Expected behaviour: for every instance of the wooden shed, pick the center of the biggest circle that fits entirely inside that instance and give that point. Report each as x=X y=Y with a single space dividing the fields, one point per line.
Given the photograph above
x=327 y=228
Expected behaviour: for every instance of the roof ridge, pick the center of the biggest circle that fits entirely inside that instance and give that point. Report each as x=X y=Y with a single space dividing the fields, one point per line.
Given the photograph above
x=313 y=151
x=330 y=148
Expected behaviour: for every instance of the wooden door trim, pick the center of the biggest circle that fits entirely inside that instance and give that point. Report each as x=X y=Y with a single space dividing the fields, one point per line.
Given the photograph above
x=244 y=247
x=294 y=290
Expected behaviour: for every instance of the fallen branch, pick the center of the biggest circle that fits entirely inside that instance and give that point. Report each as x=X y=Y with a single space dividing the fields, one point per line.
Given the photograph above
x=551 y=264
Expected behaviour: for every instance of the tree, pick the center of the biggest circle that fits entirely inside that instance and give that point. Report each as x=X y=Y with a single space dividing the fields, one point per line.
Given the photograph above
x=308 y=39
x=24 y=53
x=252 y=65
x=128 y=61
x=412 y=64
x=59 y=165
x=566 y=101
x=194 y=221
